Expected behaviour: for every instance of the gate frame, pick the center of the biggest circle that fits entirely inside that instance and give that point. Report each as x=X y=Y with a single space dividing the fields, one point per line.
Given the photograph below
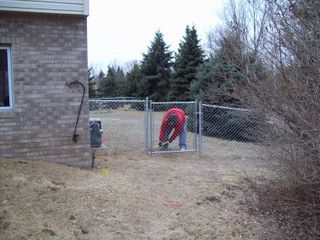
x=149 y=126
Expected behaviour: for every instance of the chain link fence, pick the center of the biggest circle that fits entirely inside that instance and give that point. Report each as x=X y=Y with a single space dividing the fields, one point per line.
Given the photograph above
x=123 y=125
x=134 y=126
x=230 y=131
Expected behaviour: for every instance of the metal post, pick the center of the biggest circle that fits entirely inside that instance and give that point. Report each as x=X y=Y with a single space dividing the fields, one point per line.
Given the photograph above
x=195 y=125
x=200 y=126
x=151 y=126
x=146 y=124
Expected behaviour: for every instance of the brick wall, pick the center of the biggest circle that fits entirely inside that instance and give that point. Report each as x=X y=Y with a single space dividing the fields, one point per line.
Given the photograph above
x=47 y=51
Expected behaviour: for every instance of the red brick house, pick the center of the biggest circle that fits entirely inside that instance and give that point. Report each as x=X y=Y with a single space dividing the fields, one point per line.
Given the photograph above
x=43 y=46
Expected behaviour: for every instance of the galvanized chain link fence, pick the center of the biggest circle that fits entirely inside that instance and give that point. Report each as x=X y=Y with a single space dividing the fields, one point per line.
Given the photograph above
x=123 y=124
x=134 y=126
x=230 y=131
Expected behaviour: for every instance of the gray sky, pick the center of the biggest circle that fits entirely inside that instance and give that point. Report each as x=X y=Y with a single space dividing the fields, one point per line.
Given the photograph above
x=121 y=30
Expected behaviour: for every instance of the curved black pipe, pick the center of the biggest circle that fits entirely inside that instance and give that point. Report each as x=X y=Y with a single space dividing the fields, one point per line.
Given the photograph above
x=75 y=135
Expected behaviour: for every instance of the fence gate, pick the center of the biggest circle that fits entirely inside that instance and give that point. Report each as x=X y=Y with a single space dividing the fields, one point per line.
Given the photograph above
x=155 y=112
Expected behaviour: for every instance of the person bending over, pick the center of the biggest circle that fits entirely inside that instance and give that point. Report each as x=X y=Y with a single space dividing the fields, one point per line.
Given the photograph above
x=174 y=123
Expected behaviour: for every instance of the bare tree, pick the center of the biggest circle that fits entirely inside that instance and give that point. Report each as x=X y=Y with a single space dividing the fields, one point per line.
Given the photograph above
x=283 y=36
x=235 y=51
x=290 y=94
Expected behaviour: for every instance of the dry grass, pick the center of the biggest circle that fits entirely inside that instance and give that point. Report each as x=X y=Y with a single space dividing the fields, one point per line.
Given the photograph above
x=142 y=197
x=172 y=196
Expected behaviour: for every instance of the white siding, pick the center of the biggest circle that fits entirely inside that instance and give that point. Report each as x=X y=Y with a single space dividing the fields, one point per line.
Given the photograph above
x=78 y=7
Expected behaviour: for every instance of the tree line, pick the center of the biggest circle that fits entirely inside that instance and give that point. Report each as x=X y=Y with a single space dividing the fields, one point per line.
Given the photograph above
x=163 y=75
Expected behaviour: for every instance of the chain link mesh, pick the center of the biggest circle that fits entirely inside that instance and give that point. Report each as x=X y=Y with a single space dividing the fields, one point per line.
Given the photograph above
x=233 y=131
x=133 y=126
x=170 y=120
x=123 y=125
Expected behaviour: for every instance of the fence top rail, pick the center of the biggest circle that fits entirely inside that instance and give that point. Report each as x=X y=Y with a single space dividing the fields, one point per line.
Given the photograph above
x=229 y=108
x=114 y=98
x=187 y=102
x=120 y=101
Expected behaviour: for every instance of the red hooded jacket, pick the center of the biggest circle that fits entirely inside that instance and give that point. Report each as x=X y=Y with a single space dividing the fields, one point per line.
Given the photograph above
x=178 y=128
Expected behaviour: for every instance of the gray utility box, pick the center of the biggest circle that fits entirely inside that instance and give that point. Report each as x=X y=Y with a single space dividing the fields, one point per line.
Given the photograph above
x=96 y=132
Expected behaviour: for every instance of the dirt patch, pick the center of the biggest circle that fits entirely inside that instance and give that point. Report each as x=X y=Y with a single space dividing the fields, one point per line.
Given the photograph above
x=175 y=196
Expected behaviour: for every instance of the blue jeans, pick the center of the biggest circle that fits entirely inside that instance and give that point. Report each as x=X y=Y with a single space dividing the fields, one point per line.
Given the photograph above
x=182 y=136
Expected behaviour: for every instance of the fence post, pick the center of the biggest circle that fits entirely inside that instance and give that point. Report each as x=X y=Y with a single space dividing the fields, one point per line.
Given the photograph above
x=151 y=127
x=146 y=125
x=195 y=125
x=200 y=126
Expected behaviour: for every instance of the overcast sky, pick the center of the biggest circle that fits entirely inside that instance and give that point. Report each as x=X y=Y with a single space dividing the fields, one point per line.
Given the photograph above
x=121 y=30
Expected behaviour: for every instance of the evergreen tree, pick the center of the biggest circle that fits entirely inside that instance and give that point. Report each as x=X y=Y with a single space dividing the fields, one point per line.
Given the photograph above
x=133 y=79
x=113 y=84
x=217 y=78
x=92 y=83
x=98 y=79
x=155 y=69
x=223 y=77
x=120 y=81
x=108 y=85
x=190 y=56
x=101 y=75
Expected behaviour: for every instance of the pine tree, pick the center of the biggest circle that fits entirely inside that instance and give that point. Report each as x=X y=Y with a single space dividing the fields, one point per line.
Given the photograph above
x=120 y=81
x=133 y=78
x=223 y=76
x=92 y=83
x=156 y=69
x=101 y=75
x=190 y=56
x=108 y=85
x=113 y=84
x=98 y=79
